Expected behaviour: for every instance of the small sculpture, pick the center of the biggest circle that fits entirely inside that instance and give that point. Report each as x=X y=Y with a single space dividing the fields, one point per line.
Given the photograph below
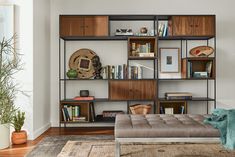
x=97 y=67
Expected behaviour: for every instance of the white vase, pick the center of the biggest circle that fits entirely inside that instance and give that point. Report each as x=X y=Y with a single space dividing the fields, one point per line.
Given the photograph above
x=4 y=136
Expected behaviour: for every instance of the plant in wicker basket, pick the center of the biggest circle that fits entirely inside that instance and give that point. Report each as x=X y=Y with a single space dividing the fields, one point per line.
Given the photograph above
x=19 y=136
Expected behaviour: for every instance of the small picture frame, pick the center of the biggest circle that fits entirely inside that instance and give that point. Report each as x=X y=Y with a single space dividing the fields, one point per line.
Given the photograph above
x=169 y=60
x=84 y=64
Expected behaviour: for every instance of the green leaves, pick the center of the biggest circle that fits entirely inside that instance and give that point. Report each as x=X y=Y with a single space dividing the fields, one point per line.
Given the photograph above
x=18 y=121
x=9 y=65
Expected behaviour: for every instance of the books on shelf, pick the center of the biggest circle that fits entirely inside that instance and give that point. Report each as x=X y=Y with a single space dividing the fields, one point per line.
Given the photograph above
x=182 y=109
x=135 y=72
x=209 y=68
x=200 y=74
x=178 y=95
x=164 y=28
x=115 y=72
x=169 y=110
x=84 y=98
x=72 y=113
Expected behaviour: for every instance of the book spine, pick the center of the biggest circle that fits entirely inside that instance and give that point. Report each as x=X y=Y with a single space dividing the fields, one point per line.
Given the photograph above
x=63 y=114
x=178 y=97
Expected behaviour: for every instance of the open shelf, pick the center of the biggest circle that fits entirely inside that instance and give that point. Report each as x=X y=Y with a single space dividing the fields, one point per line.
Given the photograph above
x=141 y=58
x=183 y=79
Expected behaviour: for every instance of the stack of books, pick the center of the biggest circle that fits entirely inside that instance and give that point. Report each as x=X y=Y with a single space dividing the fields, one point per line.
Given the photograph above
x=84 y=98
x=115 y=72
x=72 y=113
x=178 y=95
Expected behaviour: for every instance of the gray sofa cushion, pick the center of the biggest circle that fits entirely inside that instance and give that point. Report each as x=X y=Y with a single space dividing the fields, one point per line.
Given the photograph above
x=161 y=125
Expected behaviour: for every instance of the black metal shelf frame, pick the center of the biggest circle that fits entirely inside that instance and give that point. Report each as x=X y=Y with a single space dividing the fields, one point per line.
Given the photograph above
x=155 y=18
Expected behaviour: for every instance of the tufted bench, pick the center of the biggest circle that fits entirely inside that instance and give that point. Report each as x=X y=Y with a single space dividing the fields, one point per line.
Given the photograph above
x=163 y=128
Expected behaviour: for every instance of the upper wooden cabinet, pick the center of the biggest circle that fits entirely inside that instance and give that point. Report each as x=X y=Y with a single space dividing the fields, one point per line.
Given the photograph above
x=83 y=25
x=132 y=90
x=193 y=25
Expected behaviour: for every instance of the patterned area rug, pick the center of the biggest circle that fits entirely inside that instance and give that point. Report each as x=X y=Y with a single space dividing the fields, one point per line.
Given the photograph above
x=103 y=146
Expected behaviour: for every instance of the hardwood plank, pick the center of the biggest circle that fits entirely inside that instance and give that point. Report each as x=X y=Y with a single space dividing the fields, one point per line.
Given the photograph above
x=23 y=149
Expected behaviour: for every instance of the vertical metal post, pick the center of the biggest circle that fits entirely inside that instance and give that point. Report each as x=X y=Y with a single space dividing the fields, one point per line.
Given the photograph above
x=64 y=69
x=157 y=62
x=60 y=83
x=207 y=88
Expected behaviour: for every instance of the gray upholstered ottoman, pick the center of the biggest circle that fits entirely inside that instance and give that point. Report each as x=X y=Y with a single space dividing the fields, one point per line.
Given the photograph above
x=163 y=128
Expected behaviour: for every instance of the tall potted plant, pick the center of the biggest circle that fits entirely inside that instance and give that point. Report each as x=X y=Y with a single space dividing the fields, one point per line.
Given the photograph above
x=9 y=65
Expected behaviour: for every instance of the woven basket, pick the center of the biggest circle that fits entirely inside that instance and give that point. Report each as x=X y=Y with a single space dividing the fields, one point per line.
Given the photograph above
x=140 y=109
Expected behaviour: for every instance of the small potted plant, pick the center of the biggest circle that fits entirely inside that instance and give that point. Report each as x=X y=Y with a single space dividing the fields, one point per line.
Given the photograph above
x=19 y=136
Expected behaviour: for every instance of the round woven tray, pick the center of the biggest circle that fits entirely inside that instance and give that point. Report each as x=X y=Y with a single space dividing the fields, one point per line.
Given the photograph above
x=81 y=61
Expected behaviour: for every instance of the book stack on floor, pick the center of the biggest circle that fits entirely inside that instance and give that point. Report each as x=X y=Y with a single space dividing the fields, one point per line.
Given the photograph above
x=72 y=113
x=178 y=95
x=115 y=72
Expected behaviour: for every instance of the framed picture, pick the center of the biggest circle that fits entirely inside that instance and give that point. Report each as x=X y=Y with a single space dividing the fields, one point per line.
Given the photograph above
x=169 y=60
x=6 y=21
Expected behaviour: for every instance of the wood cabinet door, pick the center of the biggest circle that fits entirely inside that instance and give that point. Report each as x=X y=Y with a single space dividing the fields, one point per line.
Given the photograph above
x=204 y=26
x=71 y=26
x=182 y=25
x=132 y=90
x=96 y=25
x=143 y=89
x=119 y=90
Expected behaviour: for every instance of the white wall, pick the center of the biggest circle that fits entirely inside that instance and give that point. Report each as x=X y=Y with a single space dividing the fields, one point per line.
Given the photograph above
x=24 y=30
x=224 y=11
x=41 y=66
x=32 y=26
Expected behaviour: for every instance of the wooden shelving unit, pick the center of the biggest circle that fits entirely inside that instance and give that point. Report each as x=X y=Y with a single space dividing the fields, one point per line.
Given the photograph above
x=185 y=28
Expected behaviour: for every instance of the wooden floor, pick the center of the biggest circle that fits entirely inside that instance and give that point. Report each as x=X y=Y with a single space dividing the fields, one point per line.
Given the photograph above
x=21 y=150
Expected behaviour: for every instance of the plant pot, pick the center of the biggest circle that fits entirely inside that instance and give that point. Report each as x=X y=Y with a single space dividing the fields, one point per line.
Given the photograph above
x=19 y=137
x=4 y=136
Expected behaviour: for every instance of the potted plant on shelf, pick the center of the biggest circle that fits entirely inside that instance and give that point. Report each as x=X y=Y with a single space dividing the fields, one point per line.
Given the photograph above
x=9 y=65
x=19 y=136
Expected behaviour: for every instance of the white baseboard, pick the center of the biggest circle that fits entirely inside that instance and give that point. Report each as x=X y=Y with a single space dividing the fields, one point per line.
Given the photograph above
x=41 y=130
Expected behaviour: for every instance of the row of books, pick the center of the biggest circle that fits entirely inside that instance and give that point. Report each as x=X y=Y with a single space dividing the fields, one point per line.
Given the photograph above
x=120 y=72
x=178 y=95
x=206 y=73
x=164 y=28
x=170 y=110
x=115 y=72
x=72 y=113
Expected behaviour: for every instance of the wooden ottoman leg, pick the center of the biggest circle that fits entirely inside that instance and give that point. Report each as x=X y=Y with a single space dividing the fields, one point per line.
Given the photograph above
x=117 y=148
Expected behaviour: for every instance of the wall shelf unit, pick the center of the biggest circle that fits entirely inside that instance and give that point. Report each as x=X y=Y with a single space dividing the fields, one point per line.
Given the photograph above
x=184 y=29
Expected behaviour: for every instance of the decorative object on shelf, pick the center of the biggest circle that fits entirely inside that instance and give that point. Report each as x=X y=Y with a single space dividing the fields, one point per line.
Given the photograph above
x=124 y=32
x=112 y=113
x=201 y=51
x=19 y=136
x=170 y=60
x=84 y=93
x=140 y=109
x=72 y=74
x=143 y=30
x=81 y=61
x=97 y=67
